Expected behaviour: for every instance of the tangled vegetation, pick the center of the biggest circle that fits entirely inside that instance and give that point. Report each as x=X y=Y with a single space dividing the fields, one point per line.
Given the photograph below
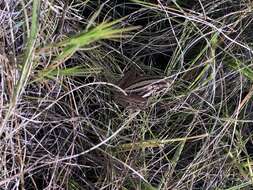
x=68 y=122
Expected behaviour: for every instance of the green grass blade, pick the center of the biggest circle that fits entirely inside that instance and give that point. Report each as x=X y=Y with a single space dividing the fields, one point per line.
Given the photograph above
x=27 y=64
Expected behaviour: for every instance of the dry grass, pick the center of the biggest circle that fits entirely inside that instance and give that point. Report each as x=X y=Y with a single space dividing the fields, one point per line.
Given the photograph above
x=61 y=127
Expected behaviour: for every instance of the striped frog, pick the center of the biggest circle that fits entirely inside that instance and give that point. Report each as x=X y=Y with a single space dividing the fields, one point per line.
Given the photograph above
x=139 y=89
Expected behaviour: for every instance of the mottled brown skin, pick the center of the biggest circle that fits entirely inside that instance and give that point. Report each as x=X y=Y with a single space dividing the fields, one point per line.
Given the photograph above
x=134 y=100
x=131 y=101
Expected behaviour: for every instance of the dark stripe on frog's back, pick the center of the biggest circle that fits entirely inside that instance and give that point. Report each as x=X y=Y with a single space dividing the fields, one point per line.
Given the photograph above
x=129 y=78
x=143 y=81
